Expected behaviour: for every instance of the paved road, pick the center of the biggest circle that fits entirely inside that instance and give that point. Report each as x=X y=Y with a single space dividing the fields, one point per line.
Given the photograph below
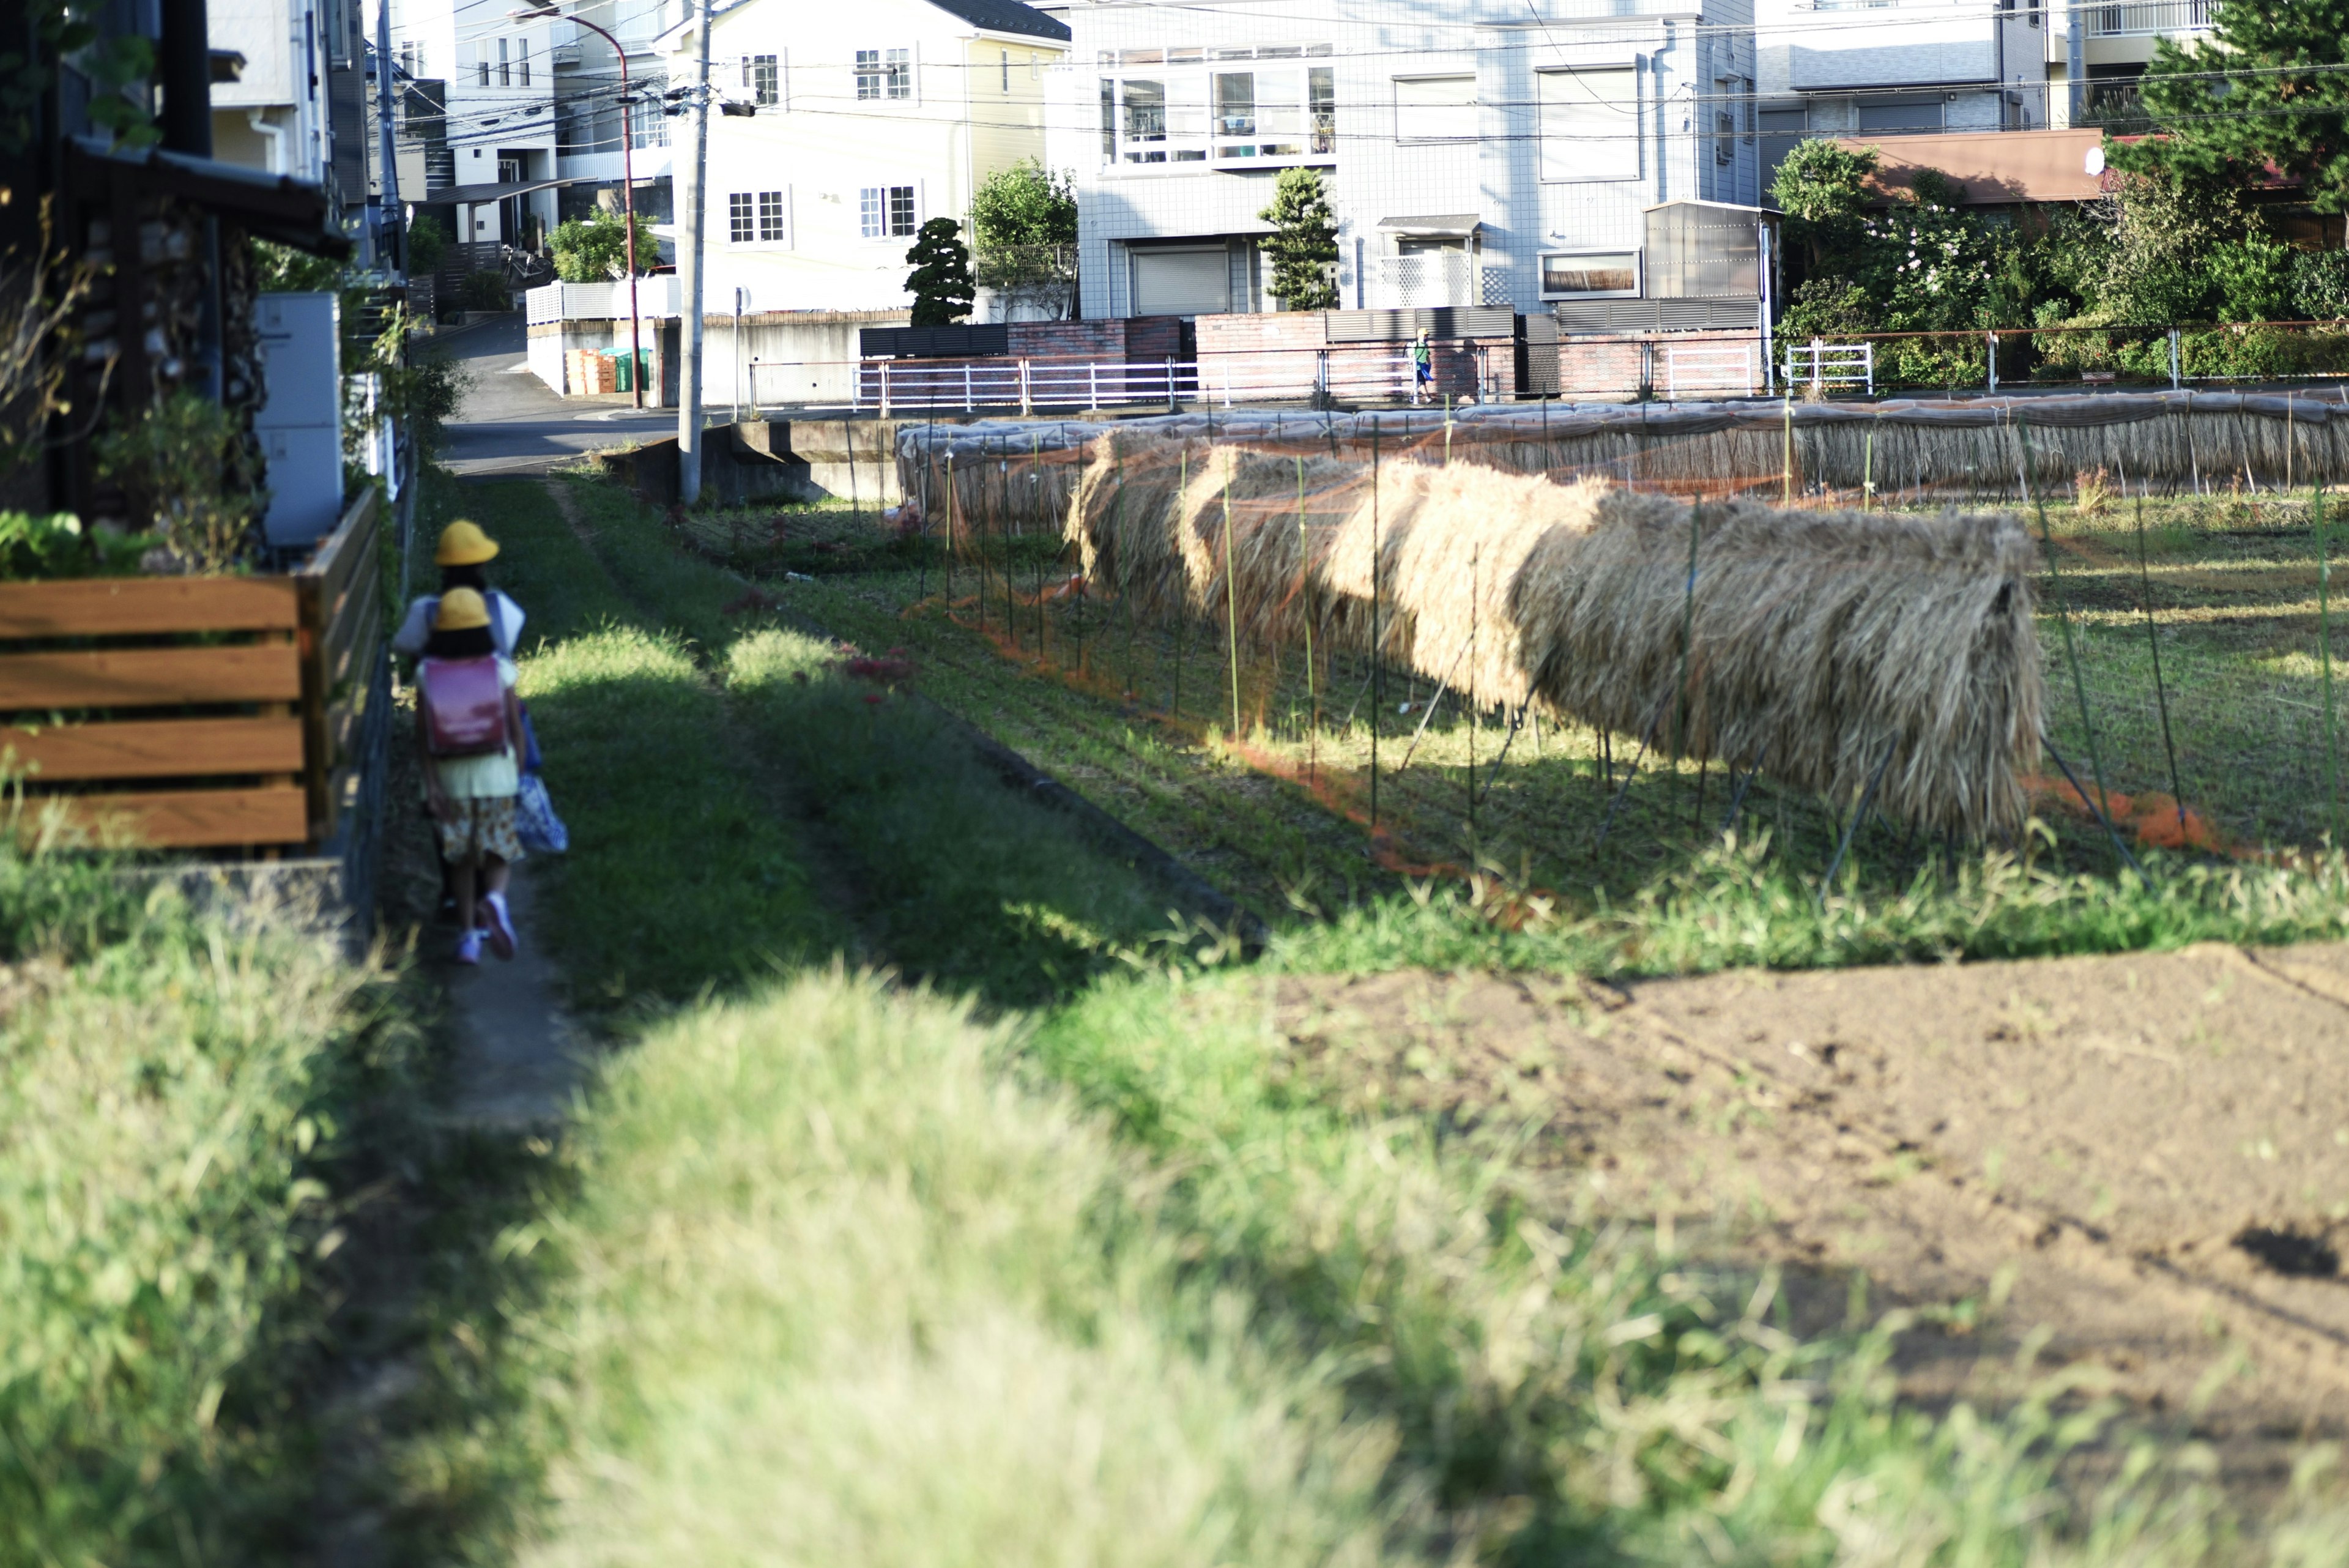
x=511 y=423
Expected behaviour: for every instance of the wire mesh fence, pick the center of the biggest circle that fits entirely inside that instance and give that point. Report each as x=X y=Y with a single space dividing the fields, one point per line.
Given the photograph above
x=1572 y=644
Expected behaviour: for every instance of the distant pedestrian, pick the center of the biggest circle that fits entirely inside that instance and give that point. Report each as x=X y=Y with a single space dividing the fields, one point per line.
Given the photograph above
x=1423 y=367
x=462 y=553
x=464 y=549
x=468 y=733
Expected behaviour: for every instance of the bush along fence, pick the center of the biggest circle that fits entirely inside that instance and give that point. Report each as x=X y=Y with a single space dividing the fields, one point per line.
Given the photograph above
x=243 y=714
x=1941 y=618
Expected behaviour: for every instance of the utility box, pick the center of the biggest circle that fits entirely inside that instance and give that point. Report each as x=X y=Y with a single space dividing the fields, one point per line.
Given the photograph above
x=300 y=421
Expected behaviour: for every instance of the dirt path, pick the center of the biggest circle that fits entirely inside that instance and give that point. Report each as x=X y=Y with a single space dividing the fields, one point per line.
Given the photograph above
x=2144 y=1158
x=516 y=1056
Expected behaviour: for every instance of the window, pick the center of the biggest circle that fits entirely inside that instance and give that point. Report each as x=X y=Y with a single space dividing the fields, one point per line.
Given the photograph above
x=1589 y=124
x=1235 y=118
x=1585 y=274
x=884 y=74
x=1006 y=69
x=522 y=49
x=1435 y=109
x=1901 y=114
x=1724 y=131
x=1035 y=67
x=755 y=215
x=505 y=70
x=411 y=59
x=648 y=126
x=761 y=78
x=886 y=211
x=481 y=67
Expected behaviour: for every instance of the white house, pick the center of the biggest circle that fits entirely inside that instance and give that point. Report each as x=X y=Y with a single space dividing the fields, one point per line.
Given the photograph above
x=591 y=117
x=274 y=116
x=499 y=125
x=869 y=121
x=1476 y=151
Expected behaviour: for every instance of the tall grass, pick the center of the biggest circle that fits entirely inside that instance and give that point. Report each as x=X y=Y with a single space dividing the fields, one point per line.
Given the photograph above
x=837 y=1293
x=967 y=884
x=1738 y=904
x=171 y=1085
x=682 y=871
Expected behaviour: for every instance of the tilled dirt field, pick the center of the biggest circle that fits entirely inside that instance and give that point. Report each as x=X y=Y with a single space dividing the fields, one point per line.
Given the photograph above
x=2138 y=1166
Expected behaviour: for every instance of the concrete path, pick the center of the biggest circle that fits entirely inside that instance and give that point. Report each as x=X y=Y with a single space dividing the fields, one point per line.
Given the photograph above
x=516 y=1056
x=513 y=422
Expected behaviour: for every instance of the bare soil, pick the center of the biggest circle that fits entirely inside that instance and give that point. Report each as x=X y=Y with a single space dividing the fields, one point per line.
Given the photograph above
x=2137 y=1166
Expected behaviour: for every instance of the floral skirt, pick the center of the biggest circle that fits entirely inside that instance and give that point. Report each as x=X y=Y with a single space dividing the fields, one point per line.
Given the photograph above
x=484 y=826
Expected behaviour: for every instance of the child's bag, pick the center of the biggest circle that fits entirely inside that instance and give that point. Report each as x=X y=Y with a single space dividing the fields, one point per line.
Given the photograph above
x=542 y=832
x=464 y=706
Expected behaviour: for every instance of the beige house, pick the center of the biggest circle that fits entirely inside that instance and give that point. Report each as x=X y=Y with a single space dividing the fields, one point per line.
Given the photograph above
x=869 y=120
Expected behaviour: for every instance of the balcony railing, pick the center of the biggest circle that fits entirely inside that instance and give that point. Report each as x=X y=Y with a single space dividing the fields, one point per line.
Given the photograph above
x=2136 y=19
x=1432 y=282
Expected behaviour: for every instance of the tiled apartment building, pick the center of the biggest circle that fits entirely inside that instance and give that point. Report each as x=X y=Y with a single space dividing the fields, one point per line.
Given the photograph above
x=1477 y=152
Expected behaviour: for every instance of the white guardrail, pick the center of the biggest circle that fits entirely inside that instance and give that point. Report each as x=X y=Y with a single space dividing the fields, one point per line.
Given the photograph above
x=1817 y=364
x=890 y=387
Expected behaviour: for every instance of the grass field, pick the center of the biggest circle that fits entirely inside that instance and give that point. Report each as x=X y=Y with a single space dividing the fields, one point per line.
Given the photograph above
x=180 y=1100
x=832 y=1270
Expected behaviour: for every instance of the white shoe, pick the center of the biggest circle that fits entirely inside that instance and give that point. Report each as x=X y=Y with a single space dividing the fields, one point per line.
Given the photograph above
x=469 y=947
x=501 y=931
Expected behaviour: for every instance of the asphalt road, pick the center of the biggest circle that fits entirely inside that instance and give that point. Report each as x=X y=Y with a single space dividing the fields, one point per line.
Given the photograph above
x=511 y=422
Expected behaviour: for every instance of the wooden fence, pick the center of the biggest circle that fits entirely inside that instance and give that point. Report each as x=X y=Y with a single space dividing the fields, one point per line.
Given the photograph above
x=209 y=712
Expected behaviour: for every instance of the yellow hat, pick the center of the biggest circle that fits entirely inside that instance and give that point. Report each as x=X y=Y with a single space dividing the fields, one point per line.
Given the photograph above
x=461 y=609
x=462 y=544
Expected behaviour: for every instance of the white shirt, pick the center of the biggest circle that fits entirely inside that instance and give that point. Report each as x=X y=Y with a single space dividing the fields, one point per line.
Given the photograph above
x=505 y=624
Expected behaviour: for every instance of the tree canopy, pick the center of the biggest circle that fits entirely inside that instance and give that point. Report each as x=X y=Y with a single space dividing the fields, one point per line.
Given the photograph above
x=940 y=282
x=2264 y=89
x=1026 y=204
x=1303 y=244
x=595 y=250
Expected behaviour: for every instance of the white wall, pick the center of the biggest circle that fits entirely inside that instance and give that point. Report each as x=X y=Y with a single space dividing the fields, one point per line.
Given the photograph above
x=806 y=162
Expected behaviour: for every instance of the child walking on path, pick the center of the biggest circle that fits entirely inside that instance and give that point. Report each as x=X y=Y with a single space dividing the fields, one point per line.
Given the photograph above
x=468 y=725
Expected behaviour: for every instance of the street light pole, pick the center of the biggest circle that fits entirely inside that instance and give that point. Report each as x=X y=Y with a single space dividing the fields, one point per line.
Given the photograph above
x=627 y=191
x=689 y=411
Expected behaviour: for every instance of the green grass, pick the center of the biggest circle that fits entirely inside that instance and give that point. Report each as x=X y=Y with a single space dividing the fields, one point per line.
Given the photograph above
x=176 y=1090
x=836 y=1294
x=684 y=872
x=968 y=885
x=837 y=1274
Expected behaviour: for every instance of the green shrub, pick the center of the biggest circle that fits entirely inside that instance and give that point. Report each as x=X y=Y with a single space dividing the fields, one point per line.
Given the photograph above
x=167 y=1085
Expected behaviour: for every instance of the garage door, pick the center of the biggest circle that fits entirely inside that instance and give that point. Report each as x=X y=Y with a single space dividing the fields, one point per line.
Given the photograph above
x=1192 y=281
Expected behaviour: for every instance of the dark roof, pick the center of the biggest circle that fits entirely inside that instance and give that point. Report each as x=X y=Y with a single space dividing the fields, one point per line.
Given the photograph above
x=274 y=206
x=1007 y=17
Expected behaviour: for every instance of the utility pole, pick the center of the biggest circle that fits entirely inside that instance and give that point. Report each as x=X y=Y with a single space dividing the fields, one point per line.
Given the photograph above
x=689 y=402
x=393 y=252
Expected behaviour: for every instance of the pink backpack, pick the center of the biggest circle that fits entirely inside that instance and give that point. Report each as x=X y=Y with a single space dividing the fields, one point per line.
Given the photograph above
x=464 y=706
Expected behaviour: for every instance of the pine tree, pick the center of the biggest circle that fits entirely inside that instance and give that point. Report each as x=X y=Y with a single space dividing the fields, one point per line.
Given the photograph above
x=940 y=281
x=1304 y=242
x=2265 y=89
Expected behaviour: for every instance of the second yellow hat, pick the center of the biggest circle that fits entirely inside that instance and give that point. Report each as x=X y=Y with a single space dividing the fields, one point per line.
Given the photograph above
x=462 y=544
x=461 y=609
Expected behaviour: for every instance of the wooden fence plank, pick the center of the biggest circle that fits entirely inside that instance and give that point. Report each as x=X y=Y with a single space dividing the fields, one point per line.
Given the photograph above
x=117 y=606
x=151 y=677
x=350 y=641
x=193 y=819
x=154 y=748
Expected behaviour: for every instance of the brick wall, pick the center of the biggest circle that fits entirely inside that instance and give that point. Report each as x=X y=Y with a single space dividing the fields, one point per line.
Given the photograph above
x=1621 y=366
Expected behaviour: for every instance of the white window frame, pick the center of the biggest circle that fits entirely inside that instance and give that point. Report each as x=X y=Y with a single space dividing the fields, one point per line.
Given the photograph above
x=1639 y=273
x=762 y=79
x=775 y=205
x=505 y=66
x=888 y=74
x=742 y=224
x=1568 y=154
x=1189 y=138
x=872 y=211
x=1408 y=134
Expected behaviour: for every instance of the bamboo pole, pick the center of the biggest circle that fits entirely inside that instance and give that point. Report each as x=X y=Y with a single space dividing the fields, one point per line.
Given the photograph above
x=2324 y=652
x=2153 y=641
x=2063 y=619
x=1231 y=606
